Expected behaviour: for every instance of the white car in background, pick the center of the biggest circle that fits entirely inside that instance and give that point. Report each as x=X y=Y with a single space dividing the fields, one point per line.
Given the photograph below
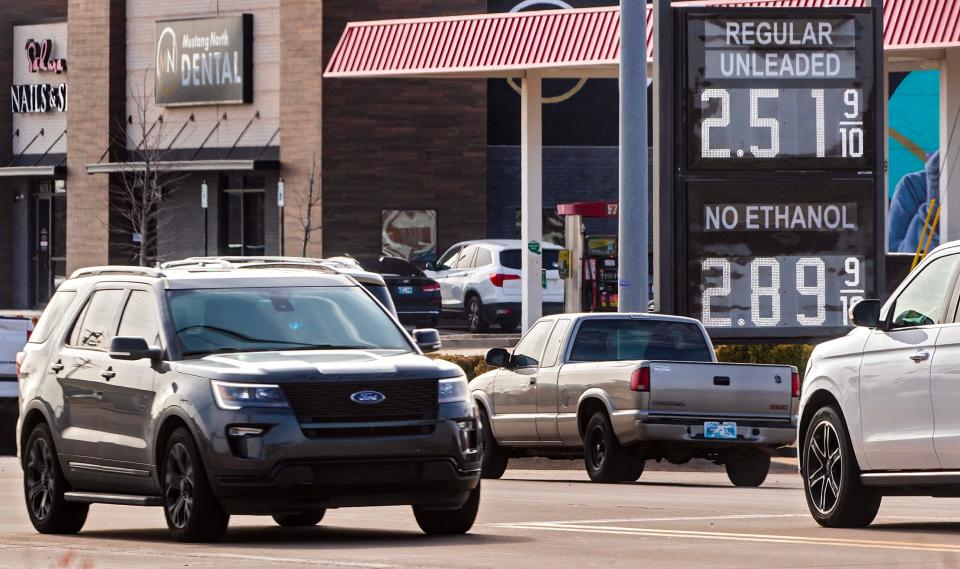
x=480 y=280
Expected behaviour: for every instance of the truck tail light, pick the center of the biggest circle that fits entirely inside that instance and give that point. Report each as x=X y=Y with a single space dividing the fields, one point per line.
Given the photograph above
x=640 y=380
x=433 y=287
x=499 y=278
x=795 y=383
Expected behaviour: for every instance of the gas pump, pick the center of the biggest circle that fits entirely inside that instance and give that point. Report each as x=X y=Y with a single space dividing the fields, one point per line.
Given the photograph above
x=600 y=293
x=591 y=278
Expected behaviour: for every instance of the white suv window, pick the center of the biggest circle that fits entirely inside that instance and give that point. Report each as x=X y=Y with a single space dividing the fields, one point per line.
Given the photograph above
x=449 y=259
x=922 y=302
x=466 y=258
x=484 y=258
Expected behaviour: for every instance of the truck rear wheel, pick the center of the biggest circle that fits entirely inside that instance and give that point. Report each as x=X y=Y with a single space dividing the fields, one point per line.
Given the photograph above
x=831 y=477
x=607 y=461
x=449 y=522
x=495 y=457
x=748 y=469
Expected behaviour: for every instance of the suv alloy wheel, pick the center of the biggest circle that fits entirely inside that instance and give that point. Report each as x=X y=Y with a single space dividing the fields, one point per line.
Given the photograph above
x=44 y=486
x=193 y=513
x=831 y=477
x=476 y=323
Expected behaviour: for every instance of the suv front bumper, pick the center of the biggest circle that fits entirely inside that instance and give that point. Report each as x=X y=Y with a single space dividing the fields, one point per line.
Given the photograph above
x=289 y=471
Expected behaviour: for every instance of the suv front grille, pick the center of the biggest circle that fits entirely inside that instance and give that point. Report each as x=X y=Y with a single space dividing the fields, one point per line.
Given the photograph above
x=329 y=401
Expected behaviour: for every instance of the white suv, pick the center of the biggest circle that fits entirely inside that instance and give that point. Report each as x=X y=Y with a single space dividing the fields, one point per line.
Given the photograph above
x=878 y=414
x=480 y=280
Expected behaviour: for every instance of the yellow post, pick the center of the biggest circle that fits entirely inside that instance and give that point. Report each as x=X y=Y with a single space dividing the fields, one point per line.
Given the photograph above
x=933 y=228
x=923 y=231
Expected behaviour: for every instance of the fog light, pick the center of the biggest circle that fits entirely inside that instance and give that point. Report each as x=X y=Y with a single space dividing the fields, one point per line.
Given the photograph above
x=245 y=441
x=468 y=436
x=244 y=431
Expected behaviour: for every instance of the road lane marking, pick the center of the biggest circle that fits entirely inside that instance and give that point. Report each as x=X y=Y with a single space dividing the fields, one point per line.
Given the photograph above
x=740 y=537
x=92 y=550
x=666 y=519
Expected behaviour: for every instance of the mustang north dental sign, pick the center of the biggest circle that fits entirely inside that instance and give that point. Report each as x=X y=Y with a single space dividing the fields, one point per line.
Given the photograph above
x=777 y=179
x=205 y=61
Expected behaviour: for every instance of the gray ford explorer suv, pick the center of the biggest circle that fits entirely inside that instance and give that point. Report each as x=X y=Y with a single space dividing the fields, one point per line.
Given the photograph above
x=219 y=389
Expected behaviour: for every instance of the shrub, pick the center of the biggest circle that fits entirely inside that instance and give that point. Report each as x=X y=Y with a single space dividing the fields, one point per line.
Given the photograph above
x=471 y=365
x=783 y=354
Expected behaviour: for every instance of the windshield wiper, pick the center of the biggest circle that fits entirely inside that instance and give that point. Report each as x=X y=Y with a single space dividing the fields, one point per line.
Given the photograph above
x=242 y=337
x=327 y=347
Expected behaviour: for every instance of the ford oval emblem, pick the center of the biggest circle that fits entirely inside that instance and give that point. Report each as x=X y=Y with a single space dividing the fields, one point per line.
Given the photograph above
x=368 y=397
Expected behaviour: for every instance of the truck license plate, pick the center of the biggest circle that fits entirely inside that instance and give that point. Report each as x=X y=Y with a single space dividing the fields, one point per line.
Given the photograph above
x=715 y=430
x=404 y=290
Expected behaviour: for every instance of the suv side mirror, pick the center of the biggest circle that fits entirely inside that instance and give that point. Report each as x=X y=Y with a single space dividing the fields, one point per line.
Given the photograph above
x=132 y=348
x=427 y=339
x=866 y=313
x=497 y=357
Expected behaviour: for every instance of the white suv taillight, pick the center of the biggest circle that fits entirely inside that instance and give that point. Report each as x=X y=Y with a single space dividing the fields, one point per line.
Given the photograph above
x=499 y=278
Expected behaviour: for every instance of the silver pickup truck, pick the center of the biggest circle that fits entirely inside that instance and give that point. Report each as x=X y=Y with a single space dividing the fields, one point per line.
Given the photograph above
x=620 y=389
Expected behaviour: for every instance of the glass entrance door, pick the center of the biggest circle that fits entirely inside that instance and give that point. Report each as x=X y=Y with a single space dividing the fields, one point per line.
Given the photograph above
x=242 y=213
x=49 y=246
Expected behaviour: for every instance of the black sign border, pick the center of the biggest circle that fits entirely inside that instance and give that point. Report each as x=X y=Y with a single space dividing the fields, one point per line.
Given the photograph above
x=671 y=247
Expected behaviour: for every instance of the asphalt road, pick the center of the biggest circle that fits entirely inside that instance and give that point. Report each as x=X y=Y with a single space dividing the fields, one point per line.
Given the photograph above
x=530 y=519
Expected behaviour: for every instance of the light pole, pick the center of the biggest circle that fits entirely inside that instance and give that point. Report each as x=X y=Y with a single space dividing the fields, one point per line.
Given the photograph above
x=281 y=199
x=203 y=204
x=634 y=249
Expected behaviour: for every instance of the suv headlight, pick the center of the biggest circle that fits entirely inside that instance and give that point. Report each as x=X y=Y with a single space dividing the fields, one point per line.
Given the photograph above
x=233 y=396
x=454 y=390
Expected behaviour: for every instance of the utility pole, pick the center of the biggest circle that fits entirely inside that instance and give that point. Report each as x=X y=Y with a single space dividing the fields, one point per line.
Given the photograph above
x=633 y=242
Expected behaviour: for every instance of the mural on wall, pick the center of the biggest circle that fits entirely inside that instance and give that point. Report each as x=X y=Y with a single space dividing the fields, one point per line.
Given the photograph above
x=410 y=234
x=914 y=164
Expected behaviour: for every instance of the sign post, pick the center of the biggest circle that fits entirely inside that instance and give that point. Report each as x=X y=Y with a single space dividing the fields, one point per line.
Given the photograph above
x=281 y=202
x=203 y=204
x=778 y=176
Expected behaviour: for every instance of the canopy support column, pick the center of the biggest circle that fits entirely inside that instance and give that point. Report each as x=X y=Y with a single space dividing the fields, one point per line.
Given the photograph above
x=950 y=146
x=531 y=197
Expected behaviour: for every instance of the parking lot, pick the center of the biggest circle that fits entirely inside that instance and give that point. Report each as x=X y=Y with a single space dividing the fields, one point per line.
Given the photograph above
x=531 y=518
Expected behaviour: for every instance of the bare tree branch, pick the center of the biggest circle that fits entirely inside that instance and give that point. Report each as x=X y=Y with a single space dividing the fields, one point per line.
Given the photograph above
x=137 y=193
x=307 y=204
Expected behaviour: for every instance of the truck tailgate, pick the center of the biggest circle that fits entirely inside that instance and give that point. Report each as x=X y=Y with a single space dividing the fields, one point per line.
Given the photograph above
x=711 y=390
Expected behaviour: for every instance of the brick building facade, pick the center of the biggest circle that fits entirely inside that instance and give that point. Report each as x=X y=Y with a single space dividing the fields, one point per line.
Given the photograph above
x=378 y=145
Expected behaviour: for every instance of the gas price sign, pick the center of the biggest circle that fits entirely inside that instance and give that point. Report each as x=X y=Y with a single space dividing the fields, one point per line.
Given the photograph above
x=776 y=180
x=779 y=92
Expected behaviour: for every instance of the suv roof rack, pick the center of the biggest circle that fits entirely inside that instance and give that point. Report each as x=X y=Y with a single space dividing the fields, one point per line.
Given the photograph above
x=229 y=263
x=117 y=270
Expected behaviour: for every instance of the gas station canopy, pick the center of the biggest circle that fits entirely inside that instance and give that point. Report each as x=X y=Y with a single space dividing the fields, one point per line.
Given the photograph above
x=579 y=42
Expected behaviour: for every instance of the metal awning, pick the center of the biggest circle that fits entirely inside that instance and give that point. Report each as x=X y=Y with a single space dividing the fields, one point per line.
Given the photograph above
x=36 y=171
x=580 y=42
x=185 y=166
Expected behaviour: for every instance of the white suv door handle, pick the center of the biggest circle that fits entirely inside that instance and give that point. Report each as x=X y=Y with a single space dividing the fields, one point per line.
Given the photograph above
x=920 y=356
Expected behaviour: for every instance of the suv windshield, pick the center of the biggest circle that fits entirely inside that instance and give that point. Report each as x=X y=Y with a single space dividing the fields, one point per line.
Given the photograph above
x=209 y=321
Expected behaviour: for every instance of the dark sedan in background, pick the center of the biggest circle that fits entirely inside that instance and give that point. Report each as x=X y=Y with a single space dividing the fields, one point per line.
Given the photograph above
x=416 y=296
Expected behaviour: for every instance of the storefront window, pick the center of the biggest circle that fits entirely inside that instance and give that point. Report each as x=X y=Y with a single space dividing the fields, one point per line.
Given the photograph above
x=242 y=215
